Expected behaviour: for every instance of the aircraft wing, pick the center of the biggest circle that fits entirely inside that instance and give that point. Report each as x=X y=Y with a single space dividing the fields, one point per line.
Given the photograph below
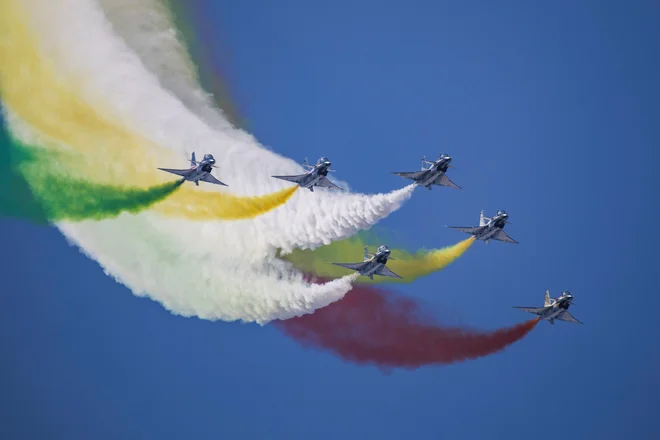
x=534 y=310
x=501 y=236
x=295 y=179
x=353 y=266
x=414 y=175
x=183 y=173
x=467 y=229
x=385 y=271
x=326 y=183
x=443 y=180
x=565 y=316
x=210 y=178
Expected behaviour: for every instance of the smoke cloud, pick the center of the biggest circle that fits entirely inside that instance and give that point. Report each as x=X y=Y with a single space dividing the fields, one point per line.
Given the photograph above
x=372 y=326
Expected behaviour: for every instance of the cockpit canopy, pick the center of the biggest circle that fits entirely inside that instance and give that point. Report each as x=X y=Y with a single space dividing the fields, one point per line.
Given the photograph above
x=323 y=160
x=209 y=157
x=383 y=249
x=444 y=156
x=502 y=212
x=566 y=293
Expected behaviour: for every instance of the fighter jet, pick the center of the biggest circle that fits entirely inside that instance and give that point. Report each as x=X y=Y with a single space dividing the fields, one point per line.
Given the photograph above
x=373 y=264
x=316 y=176
x=489 y=228
x=433 y=175
x=554 y=308
x=198 y=171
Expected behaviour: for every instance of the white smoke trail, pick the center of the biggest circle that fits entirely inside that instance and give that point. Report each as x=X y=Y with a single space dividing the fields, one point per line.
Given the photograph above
x=107 y=73
x=146 y=27
x=214 y=270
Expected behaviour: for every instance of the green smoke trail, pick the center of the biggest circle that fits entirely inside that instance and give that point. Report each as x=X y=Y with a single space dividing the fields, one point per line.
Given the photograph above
x=35 y=186
x=408 y=265
x=16 y=199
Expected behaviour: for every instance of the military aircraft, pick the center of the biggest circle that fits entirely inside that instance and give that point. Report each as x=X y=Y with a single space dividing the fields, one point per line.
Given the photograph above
x=198 y=171
x=433 y=175
x=316 y=176
x=489 y=228
x=373 y=264
x=554 y=308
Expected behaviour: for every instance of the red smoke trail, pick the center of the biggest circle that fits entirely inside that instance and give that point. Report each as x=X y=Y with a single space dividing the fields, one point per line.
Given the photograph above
x=371 y=326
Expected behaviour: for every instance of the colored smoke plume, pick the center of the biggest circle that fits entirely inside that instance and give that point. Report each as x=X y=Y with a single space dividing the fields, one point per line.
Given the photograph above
x=372 y=326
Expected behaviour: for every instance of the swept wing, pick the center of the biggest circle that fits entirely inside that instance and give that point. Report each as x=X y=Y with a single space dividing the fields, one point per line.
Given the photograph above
x=534 y=310
x=414 y=175
x=443 y=180
x=299 y=178
x=183 y=173
x=209 y=178
x=566 y=316
x=326 y=183
x=385 y=271
x=467 y=229
x=353 y=266
x=502 y=236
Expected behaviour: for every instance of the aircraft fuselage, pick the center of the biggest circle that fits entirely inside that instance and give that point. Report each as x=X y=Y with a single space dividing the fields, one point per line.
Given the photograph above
x=314 y=177
x=433 y=173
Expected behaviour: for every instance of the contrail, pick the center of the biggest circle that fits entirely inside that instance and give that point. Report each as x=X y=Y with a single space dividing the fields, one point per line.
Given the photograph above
x=372 y=326
x=409 y=266
x=71 y=86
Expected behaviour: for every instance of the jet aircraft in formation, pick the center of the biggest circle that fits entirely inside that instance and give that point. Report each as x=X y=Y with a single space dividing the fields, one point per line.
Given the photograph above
x=431 y=173
x=554 y=308
x=435 y=174
x=316 y=176
x=373 y=264
x=198 y=171
x=490 y=228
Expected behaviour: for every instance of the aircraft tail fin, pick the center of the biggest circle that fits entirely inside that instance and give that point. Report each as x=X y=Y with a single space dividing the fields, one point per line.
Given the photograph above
x=193 y=161
x=548 y=301
x=367 y=255
x=482 y=219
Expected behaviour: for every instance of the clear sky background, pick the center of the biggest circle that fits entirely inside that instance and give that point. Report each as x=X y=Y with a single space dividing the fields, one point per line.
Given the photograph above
x=550 y=112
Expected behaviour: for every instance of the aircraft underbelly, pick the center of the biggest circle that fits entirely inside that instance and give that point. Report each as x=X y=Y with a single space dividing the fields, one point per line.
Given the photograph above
x=427 y=181
x=370 y=270
x=488 y=233
x=309 y=181
x=552 y=314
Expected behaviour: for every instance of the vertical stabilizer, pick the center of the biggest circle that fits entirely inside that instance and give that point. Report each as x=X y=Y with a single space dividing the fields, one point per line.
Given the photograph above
x=482 y=219
x=548 y=300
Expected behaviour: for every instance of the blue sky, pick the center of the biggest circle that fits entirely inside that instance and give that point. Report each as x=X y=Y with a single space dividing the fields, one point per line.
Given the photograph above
x=549 y=112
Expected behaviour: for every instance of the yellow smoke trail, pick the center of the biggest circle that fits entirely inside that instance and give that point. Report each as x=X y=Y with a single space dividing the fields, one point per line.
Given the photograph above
x=110 y=154
x=409 y=266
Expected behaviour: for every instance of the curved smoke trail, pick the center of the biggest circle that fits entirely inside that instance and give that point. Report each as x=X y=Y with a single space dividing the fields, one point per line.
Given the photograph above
x=146 y=26
x=71 y=85
x=371 y=326
x=409 y=266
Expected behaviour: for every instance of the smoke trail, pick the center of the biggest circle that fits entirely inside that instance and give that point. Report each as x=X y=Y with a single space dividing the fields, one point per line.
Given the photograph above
x=110 y=77
x=371 y=326
x=111 y=154
x=96 y=100
x=409 y=266
x=147 y=27
x=64 y=198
